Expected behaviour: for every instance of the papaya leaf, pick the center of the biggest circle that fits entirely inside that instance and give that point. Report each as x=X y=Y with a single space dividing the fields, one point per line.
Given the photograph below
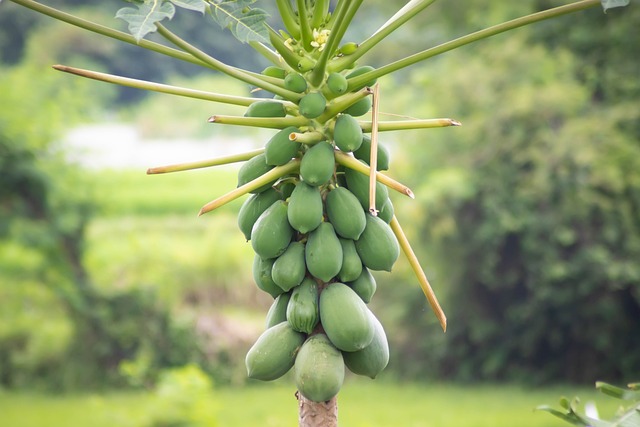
x=245 y=23
x=197 y=5
x=610 y=4
x=142 y=20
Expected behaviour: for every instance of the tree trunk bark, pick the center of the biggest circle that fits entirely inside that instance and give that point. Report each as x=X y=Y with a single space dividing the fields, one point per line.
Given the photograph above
x=314 y=414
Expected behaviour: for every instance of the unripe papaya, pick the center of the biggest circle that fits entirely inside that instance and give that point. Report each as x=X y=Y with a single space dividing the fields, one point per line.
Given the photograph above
x=377 y=246
x=351 y=264
x=372 y=359
x=280 y=149
x=262 y=276
x=337 y=83
x=302 y=310
x=273 y=71
x=358 y=184
x=345 y=213
x=305 y=208
x=312 y=105
x=323 y=253
x=358 y=72
x=253 y=207
x=345 y=318
x=360 y=107
x=364 y=153
x=347 y=133
x=252 y=169
x=278 y=311
x=365 y=285
x=319 y=369
x=266 y=109
x=387 y=211
x=295 y=82
x=271 y=234
x=348 y=48
x=289 y=268
x=318 y=164
x=274 y=353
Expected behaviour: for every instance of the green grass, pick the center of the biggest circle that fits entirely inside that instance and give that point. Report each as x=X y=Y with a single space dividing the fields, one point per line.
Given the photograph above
x=362 y=403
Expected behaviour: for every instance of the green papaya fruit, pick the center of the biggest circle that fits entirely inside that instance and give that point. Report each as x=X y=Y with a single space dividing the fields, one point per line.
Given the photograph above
x=266 y=109
x=377 y=246
x=351 y=264
x=312 y=105
x=360 y=107
x=274 y=353
x=365 y=285
x=252 y=169
x=372 y=359
x=253 y=207
x=345 y=318
x=280 y=149
x=360 y=71
x=323 y=252
x=364 y=153
x=347 y=133
x=262 y=276
x=289 y=268
x=273 y=71
x=278 y=311
x=348 y=48
x=337 y=83
x=358 y=184
x=319 y=369
x=305 y=208
x=318 y=164
x=271 y=233
x=295 y=82
x=286 y=188
x=345 y=213
x=387 y=211
x=302 y=311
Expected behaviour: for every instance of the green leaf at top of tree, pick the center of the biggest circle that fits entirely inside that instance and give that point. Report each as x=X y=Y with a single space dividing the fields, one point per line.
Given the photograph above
x=245 y=23
x=142 y=20
x=610 y=4
x=197 y=5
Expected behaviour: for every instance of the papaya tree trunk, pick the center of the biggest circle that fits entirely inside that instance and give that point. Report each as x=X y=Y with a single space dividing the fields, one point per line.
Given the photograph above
x=317 y=414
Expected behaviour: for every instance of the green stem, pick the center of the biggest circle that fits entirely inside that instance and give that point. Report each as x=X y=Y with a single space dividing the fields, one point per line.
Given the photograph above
x=279 y=45
x=305 y=28
x=234 y=158
x=307 y=138
x=157 y=87
x=338 y=11
x=342 y=103
x=470 y=38
x=350 y=162
x=320 y=11
x=222 y=67
x=260 y=122
x=273 y=174
x=265 y=51
x=288 y=18
x=409 y=124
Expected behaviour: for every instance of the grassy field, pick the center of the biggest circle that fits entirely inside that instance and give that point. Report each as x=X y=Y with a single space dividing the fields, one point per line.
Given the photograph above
x=361 y=404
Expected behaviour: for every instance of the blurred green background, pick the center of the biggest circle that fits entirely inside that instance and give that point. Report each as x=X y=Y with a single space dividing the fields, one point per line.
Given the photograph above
x=118 y=306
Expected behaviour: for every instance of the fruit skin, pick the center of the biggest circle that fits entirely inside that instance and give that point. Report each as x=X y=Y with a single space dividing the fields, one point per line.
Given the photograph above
x=360 y=107
x=319 y=369
x=253 y=207
x=345 y=318
x=312 y=105
x=302 y=310
x=358 y=184
x=347 y=133
x=278 y=311
x=377 y=246
x=274 y=353
x=318 y=164
x=289 y=268
x=372 y=359
x=365 y=285
x=266 y=109
x=254 y=168
x=262 y=276
x=280 y=149
x=337 y=83
x=273 y=71
x=351 y=264
x=359 y=71
x=364 y=153
x=271 y=234
x=345 y=213
x=295 y=82
x=323 y=252
x=305 y=208
x=387 y=211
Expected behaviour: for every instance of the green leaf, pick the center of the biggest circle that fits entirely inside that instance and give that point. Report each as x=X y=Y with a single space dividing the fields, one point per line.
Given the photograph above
x=610 y=4
x=142 y=20
x=245 y=23
x=197 y=5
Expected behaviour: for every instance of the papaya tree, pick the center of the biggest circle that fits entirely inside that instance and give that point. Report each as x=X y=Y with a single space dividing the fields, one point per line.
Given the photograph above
x=318 y=213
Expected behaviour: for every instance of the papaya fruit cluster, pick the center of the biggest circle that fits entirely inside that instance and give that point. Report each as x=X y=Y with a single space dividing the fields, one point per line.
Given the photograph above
x=316 y=243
